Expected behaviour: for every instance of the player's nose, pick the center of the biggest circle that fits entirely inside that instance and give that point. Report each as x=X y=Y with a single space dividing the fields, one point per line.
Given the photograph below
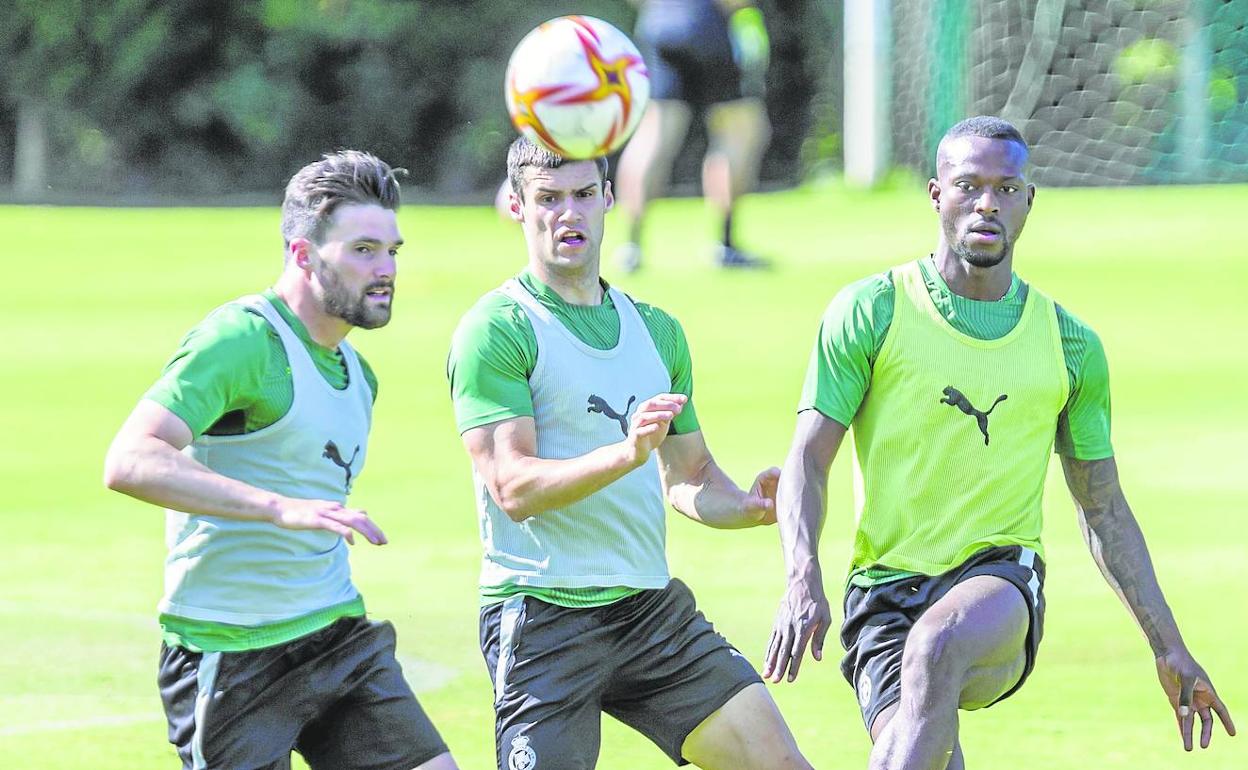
x=386 y=267
x=987 y=202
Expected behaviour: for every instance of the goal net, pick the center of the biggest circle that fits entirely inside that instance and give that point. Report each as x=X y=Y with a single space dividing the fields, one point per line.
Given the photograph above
x=1106 y=91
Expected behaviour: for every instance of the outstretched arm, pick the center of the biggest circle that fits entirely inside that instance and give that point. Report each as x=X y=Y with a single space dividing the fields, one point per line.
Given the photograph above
x=697 y=487
x=1117 y=545
x=145 y=461
x=525 y=485
x=804 y=616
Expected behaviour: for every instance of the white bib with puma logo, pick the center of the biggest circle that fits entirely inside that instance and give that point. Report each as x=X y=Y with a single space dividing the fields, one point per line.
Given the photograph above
x=583 y=399
x=254 y=572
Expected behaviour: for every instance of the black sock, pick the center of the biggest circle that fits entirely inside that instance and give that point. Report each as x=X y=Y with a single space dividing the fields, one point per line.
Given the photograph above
x=727 y=239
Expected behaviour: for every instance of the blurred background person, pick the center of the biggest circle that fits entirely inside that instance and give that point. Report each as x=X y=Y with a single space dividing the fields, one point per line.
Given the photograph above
x=703 y=55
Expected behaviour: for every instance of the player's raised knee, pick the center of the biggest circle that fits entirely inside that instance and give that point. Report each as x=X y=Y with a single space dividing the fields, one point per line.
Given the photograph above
x=934 y=652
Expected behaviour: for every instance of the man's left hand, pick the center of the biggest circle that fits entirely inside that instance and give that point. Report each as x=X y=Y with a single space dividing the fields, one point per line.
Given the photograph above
x=1191 y=693
x=760 y=501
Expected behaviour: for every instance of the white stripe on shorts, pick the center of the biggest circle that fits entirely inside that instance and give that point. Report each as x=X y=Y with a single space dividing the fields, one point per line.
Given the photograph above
x=513 y=608
x=1028 y=560
x=206 y=680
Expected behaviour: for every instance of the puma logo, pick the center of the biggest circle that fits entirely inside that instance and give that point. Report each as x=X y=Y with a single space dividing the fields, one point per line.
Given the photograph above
x=331 y=453
x=954 y=397
x=597 y=404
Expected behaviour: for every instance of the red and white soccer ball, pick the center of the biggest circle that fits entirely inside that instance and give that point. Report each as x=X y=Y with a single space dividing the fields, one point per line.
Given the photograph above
x=577 y=86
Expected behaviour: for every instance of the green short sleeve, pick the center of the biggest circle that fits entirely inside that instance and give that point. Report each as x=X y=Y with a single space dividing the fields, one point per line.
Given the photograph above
x=851 y=333
x=669 y=339
x=218 y=368
x=1083 y=428
x=493 y=352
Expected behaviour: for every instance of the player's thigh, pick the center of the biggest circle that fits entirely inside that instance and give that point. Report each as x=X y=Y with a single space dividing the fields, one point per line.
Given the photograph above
x=877 y=620
x=975 y=634
x=728 y=119
x=549 y=669
x=675 y=670
x=376 y=722
x=882 y=720
x=551 y=736
x=648 y=156
x=233 y=709
x=381 y=725
x=746 y=732
x=663 y=128
x=740 y=123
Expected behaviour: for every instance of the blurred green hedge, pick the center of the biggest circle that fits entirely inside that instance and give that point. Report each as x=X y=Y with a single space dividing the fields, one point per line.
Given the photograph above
x=214 y=97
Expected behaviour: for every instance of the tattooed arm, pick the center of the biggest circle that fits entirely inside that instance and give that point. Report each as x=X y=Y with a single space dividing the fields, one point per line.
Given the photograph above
x=1117 y=545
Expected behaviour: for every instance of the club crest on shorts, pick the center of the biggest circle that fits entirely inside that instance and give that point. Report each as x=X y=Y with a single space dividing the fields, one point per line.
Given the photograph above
x=522 y=756
x=864 y=689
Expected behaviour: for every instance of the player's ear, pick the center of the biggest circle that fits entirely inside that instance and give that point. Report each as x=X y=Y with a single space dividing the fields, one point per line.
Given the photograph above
x=299 y=253
x=514 y=207
x=933 y=192
x=608 y=196
x=1031 y=195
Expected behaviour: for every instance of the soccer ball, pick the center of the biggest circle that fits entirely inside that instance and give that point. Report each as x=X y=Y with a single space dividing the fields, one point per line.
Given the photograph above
x=577 y=86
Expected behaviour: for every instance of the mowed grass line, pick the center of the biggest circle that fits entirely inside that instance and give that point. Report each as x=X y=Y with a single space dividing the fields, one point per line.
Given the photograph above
x=102 y=296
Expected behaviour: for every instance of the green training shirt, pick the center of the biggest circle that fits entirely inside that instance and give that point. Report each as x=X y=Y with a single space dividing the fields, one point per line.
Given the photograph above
x=493 y=352
x=230 y=376
x=855 y=325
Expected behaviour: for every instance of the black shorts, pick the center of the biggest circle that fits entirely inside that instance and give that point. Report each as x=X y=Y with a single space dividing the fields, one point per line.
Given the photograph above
x=652 y=661
x=878 y=620
x=688 y=55
x=337 y=696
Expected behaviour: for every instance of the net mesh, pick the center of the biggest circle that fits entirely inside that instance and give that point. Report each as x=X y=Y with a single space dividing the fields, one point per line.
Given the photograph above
x=1105 y=91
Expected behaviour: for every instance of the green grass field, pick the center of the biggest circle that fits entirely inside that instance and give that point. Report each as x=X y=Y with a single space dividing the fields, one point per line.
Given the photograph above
x=98 y=298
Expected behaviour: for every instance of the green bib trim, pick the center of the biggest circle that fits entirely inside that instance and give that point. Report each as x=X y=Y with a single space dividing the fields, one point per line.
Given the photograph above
x=572 y=598
x=207 y=636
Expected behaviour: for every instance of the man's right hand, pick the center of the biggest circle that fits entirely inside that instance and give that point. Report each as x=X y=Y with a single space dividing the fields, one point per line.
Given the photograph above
x=804 y=617
x=650 y=424
x=293 y=513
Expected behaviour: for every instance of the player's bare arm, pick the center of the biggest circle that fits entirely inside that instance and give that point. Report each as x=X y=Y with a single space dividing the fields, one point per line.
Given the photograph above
x=696 y=486
x=525 y=485
x=804 y=616
x=1118 y=546
x=145 y=461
